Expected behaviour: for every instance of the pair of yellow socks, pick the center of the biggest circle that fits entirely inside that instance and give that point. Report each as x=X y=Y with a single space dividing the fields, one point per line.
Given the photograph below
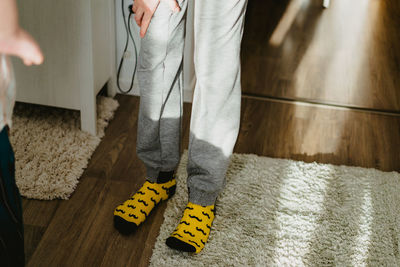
x=193 y=230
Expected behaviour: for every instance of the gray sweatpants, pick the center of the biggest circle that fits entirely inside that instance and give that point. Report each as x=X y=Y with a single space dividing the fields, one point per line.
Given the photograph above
x=218 y=26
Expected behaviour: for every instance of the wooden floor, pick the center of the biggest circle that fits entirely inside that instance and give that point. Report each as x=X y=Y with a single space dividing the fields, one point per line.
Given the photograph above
x=79 y=232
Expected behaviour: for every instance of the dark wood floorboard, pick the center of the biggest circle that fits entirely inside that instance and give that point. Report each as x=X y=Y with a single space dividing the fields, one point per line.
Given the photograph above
x=323 y=134
x=32 y=235
x=348 y=54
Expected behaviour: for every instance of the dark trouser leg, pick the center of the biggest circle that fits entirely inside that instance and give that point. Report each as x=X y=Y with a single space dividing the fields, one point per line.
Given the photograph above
x=11 y=230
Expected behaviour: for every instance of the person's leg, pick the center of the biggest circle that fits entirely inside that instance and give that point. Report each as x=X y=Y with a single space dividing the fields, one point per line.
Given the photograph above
x=215 y=115
x=160 y=78
x=216 y=105
x=11 y=230
x=160 y=112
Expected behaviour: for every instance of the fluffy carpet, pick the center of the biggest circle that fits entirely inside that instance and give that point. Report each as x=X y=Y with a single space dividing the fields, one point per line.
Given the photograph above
x=276 y=212
x=50 y=149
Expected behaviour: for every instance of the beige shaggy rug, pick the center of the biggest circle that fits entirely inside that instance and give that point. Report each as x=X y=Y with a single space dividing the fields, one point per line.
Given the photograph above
x=50 y=149
x=276 y=212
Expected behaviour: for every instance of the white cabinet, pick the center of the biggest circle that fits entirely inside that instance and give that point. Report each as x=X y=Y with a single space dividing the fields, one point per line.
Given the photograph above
x=78 y=41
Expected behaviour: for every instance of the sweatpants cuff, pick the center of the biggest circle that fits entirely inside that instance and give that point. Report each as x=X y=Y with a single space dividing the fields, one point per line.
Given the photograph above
x=157 y=176
x=202 y=198
x=151 y=174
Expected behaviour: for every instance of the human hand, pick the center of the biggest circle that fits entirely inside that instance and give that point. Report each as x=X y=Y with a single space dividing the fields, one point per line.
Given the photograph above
x=144 y=10
x=22 y=45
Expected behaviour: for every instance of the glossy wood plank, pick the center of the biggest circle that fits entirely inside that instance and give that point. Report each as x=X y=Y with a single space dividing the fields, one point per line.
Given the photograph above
x=348 y=54
x=116 y=135
x=317 y=133
x=61 y=241
x=38 y=212
x=32 y=236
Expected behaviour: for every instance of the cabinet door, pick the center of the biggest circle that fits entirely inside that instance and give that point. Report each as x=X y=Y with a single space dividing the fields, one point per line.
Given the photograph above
x=103 y=41
x=62 y=29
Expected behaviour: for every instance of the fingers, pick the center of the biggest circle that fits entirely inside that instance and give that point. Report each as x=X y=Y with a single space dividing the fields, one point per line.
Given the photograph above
x=144 y=13
x=139 y=16
x=145 y=24
x=28 y=63
x=37 y=56
x=134 y=7
x=23 y=46
x=30 y=55
x=30 y=50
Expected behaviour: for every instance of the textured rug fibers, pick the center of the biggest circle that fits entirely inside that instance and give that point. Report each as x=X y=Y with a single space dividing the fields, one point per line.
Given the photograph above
x=276 y=212
x=51 y=151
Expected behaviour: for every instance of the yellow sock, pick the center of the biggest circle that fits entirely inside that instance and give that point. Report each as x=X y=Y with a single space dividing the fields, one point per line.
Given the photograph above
x=194 y=228
x=129 y=215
